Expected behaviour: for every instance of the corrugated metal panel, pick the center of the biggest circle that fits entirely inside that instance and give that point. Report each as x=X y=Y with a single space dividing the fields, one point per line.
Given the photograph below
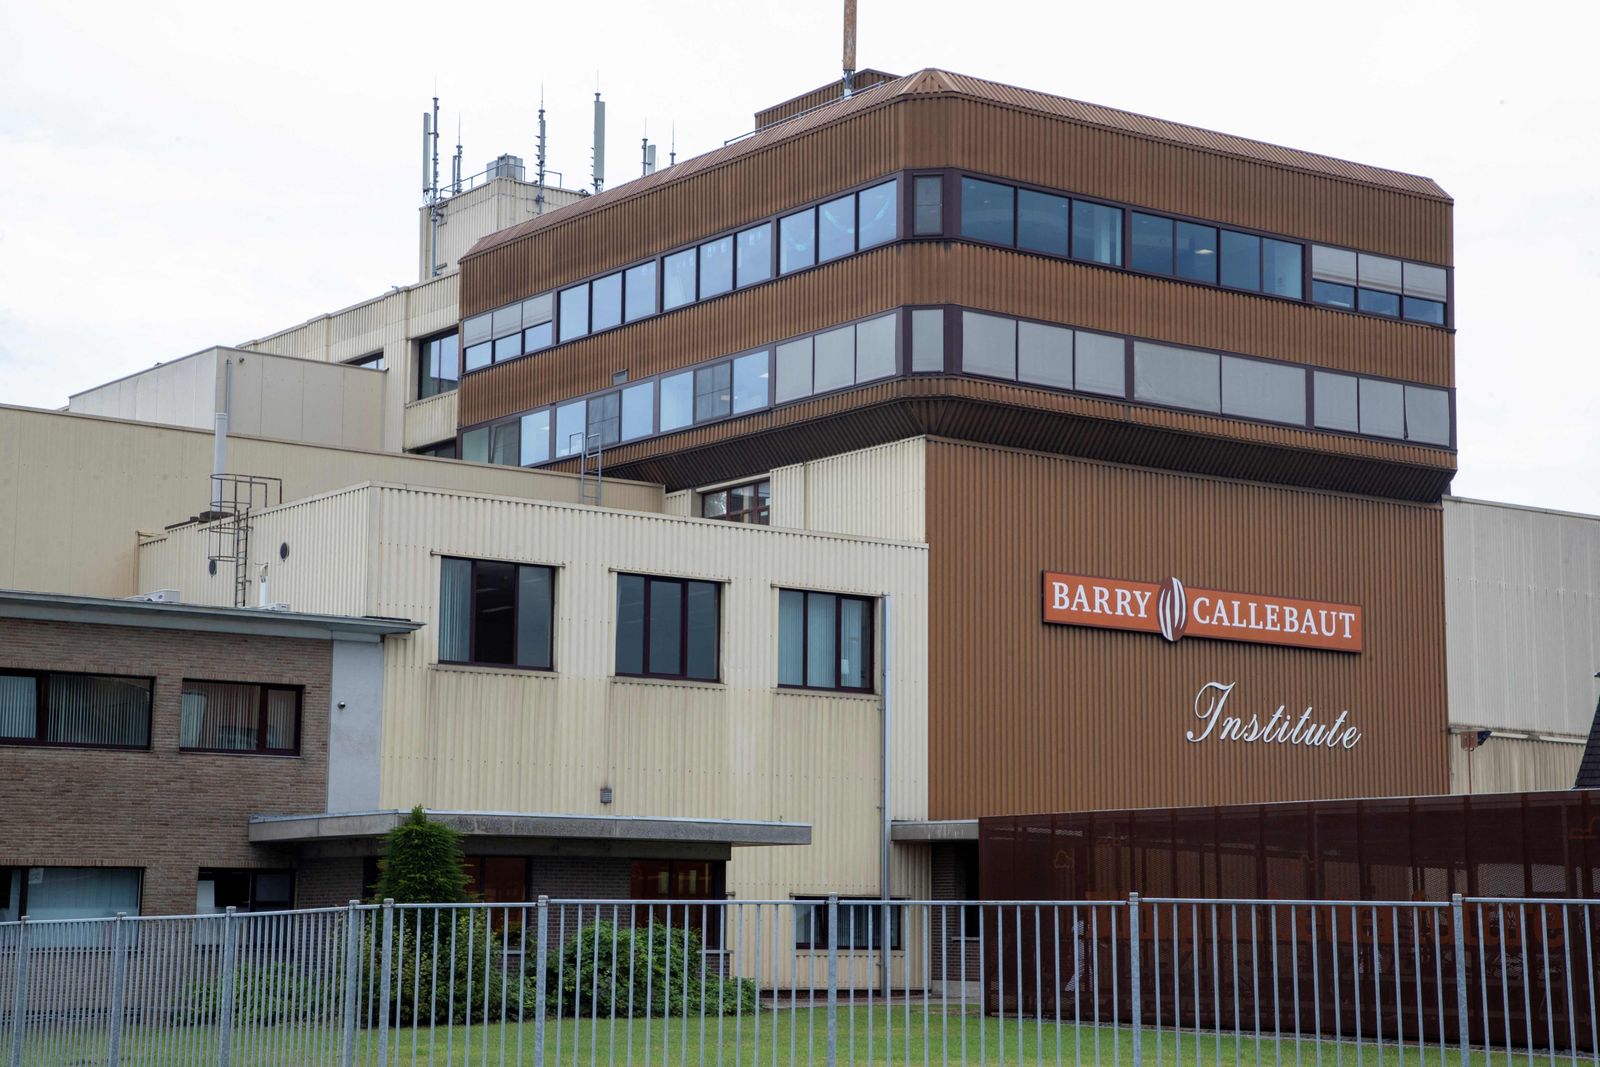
x=1513 y=765
x=1522 y=596
x=834 y=90
x=182 y=392
x=873 y=492
x=432 y=420
x=681 y=504
x=1057 y=718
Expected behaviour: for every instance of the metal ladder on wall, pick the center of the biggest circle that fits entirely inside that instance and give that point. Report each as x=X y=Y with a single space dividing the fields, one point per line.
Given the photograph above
x=591 y=480
x=234 y=497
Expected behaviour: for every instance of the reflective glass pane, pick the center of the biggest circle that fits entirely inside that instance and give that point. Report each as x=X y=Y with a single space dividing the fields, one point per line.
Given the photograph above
x=797 y=241
x=640 y=289
x=704 y=631
x=638 y=411
x=630 y=624
x=1195 y=250
x=605 y=419
x=1334 y=401
x=1382 y=408
x=1180 y=377
x=219 y=715
x=875 y=357
x=606 y=310
x=666 y=627
x=1427 y=415
x=878 y=214
x=1378 y=303
x=536 y=437
x=1339 y=296
x=677 y=401
x=537 y=309
x=750 y=380
x=1150 y=243
x=755 y=254
x=283 y=715
x=508 y=320
x=836 y=229
x=1100 y=364
x=1430 y=283
x=927 y=339
x=1044 y=355
x=1042 y=222
x=987 y=211
x=1418 y=310
x=505 y=443
x=1241 y=260
x=714 y=505
x=988 y=345
x=1096 y=233
x=855 y=642
x=716 y=267
x=479 y=355
x=794 y=370
x=791 y=637
x=677 y=279
x=494 y=599
x=80 y=893
x=19 y=708
x=928 y=211
x=713 y=391
x=1280 y=268
x=574 y=312
x=1253 y=389
x=535 y=589
x=475 y=445
x=835 y=365
x=536 y=337
x=1378 y=272
x=821 y=658
x=1333 y=264
x=507 y=347
x=476 y=329
x=569 y=428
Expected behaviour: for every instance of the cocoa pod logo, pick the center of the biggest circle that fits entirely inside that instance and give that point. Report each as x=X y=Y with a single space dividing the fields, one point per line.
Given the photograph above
x=1172 y=609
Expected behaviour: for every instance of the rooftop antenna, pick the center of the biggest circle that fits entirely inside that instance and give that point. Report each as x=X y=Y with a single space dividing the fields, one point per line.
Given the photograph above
x=432 y=181
x=455 y=169
x=648 y=153
x=849 y=47
x=599 y=142
x=538 y=197
x=672 y=150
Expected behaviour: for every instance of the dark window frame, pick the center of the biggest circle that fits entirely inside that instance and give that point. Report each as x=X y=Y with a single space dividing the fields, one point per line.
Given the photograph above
x=762 y=513
x=869 y=645
x=366 y=362
x=252 y=873
x=260 y=749
x=41 y=698
x=516 y=614
x=812 y=943
x=424 y=363
x=683 y=628
x=22 y=895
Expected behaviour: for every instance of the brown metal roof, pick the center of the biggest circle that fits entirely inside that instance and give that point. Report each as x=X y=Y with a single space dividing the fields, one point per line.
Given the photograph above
x=933 y=82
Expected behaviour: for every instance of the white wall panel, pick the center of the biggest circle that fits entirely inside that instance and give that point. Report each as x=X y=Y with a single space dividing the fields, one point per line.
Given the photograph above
x=873 y=492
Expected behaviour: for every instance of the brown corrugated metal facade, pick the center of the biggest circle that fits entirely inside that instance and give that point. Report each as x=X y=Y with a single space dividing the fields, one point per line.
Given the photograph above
x=1026 y=716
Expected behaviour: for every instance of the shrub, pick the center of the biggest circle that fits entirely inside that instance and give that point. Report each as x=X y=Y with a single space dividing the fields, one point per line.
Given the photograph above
x=594 y=971
x=421 y=863
x=265 y=995
x=430 y=982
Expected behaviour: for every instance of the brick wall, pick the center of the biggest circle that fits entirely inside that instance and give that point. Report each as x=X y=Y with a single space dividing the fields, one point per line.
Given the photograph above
x=162 y=810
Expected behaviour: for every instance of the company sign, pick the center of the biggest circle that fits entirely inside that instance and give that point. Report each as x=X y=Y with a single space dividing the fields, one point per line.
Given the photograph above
x=1174 y=611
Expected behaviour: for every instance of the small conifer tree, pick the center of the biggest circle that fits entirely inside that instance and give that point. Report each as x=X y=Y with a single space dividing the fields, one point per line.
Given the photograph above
x=422 y=863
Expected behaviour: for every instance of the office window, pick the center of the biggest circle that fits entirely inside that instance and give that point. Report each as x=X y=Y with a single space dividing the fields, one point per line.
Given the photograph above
x=677 y=401
x=1241 y=260
x=1419 y=310
x=716 y=267
x=478 y=355
x=1378 y=303
x=374 y=361
x=508 y=347
x=218 y=888
x=988 y=211
x=606 y=308
x=1044 y=355
x=85 y=710
x=239 y=717
x=574 y=318
x=1333 y=294
x=1180 y=377
x=638 y=411
x=1100 y=364
x=754 y=254
x=1042 y=222
x=1427 y=415
x=875 y=354
x=797 y=241
x=476 y=329
x=438 y=364
x=750 y=378
x=505 y=443
x=835 y=360
x=1253 y=389
x=1097 y=233
x=497 y=613
x=605 y=418
x=68 y=893
x=740 y=503
x=667 y=627
x=713 y=391
x=988 y=345
x=794 y=370
x=677 y=279
x=1379 y=272
x=1195 y=252
x=639 y=291
x=438 y=450
x=535 y=438
x=1150 y=243
x=860 y=926
x=1280 y=268
x=1382 y=408
x=824 y=640
x=877 y=215
x=475 y=445
x=1333 y=402
x=1334 y=265
x=571 y=436
x=836 y=228
x=538 y=337
x=928 y=206
x=927 y=340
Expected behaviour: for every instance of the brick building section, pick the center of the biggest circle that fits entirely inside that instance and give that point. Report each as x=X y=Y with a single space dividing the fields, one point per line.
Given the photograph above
x=167 y=812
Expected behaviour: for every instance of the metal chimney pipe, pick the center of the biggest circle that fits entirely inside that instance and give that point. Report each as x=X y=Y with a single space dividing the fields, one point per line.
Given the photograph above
x=849 y=46
x=219 y=447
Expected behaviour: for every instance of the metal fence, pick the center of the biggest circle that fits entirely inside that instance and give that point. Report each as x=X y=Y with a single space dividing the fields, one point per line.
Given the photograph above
x=1151 y=981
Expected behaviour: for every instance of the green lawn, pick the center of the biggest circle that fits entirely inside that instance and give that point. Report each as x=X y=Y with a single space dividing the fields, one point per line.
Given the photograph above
x=785 y=1037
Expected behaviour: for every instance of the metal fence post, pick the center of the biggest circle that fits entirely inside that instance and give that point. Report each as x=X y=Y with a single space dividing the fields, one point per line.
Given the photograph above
x=352 y=957
x=1133 y=978
x=1463 y=1031
x=541 y=951
x=225 y=993
x=19 y=998
x=833 y=981
x=384 y=981
x=119 y=979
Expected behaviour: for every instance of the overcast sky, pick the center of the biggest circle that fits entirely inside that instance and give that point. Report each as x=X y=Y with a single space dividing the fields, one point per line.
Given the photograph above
x=182 y=174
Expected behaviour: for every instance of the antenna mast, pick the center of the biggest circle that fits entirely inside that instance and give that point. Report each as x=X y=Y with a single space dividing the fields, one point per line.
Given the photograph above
x=849 y=46
x=599 y=142
x=538 y=197
x=455 y=170
x=672 y=148
x=433 y=195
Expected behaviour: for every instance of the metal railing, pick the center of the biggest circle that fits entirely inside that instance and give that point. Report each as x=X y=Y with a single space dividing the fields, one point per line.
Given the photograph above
x=1141 y=981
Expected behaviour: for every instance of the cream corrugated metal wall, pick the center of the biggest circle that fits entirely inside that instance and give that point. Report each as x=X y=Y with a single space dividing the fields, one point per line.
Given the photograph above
x=479 y=212
x=431 y=420
x=505 y=739
x=181 y=392
x=1522 y=617
x=873 y=492
x=1512 y=765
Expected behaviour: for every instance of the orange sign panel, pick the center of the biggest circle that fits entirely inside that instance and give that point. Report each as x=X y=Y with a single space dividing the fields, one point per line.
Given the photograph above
x=1175 y=611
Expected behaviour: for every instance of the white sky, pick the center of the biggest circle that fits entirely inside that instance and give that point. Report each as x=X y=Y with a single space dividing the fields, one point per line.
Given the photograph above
x=181 y=174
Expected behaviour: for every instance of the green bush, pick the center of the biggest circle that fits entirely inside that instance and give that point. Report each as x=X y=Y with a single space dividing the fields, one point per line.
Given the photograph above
x=421 y=863
x=431 y=983
x=262 y=996
x=594 y=971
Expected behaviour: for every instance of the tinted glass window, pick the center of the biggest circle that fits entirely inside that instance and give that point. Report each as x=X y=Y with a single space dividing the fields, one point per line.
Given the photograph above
x=1377 y=303
x=928 y=214
x=607 y=296
x=1418 y=310
x=750 y=380
x=574 y=312
x=479 y=355
x=569 y=429
x=605 y=419
x=1333 y=264
x=1339 y=296
x=677 y=401
x=1195 y=250
x=508 y=347
x=1180 y=377
x=1042 y=222
x=927 y=339
x=438 y=365
x=1280 y=268
x=535 y=599
x=1430 y=283
x=1427 y=415
x=494 y=600
x=1150 y=243
x=988 y=345
x=630 y=624
x=755 y=254
x=641 y=290
x=713 y=391
x=677 y=279
x=536 y=337
x=875 y=357
x=505 y=443
x=835 y=365
x=716 y=267
x=1241 y=260
x=794 y=370
x=836 y=229
x=821 y=663
x=638 y=410
x=1096 y=233
x=1382 y=408
x=987 y=211
x=797 y=241
x=665 y=654
x=877 y=214
x=1099 y=364
x=536 y=437
x=1044 y=355
x=1255 y=390
x=1334 y=401
x=475 y=445
x=1379 y=272
x=703 y=626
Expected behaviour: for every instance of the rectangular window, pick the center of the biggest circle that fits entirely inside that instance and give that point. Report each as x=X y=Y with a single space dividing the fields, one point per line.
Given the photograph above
x=1253 y=389
x=373 y=361
x=574 y=319
x=606 y=310
x=1042 y=222
x=1377 y=303
x=218 y=889
x=492 y=612
x=750 y=378
x=677 y=401
x=794 y=370
x=638 y=411
x=639 y=290
x=860 y=926
x=988 y=345
x=438 y=364
x=667 y=627
x=1241 y=260
x=440 y=450
x=875 y=354
x=1383 y=412
x=536 y=437
x=507 y=347
x=68 y=893
x=85 y=710
x=1097 y=233
x=824 y=640
x=1420 y=280
x=835 y=365
x=1379 y=272
x=1418 y=310
x=239 y=717
x=1334 y=265
x=475 y=445
x=605 y=418
x=1100 y=364
x=476 y=329
x=740 y=503
x=1180 y=377
x=927 y=340
x=479 y=355
x=797 y=241
x=754 y=253
x=1150 y=243
x=1427 y=415
x=1333 y=401
x=505 y=443
x=1281 y=268
x=536 y=338
x=716 y=267
x=988 y=211
x=928 y=207
x=1333 y=295
x=507 y=321
x=878 y=215
x=570 y=434
x=677 y=279
x=1044 y=355
x=1196 y=252
x=836 y=229
x=713 y=392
